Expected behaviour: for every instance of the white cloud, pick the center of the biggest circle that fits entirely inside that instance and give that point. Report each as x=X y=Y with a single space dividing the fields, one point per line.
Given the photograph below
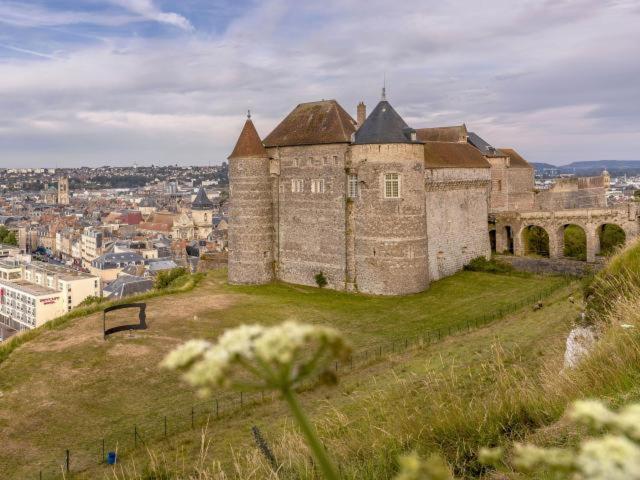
x=148 y=10
x=562 y=90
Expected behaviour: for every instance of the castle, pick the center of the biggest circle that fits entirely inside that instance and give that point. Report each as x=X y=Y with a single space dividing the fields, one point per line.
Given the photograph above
x=374 y=205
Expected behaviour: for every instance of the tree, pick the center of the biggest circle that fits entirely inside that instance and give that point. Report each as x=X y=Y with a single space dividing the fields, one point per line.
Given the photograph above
x=575 y=242
x=611 y=237
x=7 y=237
x=536 y=241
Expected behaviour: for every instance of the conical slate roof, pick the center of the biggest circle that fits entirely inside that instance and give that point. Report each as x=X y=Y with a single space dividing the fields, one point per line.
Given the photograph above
x=384 y=125
x=201 y=202
x=249 y=143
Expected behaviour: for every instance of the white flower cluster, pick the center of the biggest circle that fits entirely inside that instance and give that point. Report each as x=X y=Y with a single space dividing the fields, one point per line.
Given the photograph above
x=614 y=455
x=272 y=357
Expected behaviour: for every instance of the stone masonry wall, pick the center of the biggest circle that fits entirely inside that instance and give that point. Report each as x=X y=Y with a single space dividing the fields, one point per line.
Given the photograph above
x=310 y=227
x=499 y=199
x=250 y=221
x=521 y=189
x=390 y=234
x=457 y=211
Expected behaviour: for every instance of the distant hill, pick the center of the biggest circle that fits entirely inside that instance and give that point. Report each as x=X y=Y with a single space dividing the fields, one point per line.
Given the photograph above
x=594 y=167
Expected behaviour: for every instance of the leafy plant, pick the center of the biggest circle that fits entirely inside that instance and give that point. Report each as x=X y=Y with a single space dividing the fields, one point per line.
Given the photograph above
x=481 y=264
x=320 y=279
x=167 y=278
x=7 y=237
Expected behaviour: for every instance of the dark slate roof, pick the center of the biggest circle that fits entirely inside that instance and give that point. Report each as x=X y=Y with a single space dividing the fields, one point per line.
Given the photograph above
x=148 y=202
x=484 y=146
x=384 y=125
x=453 y=155
x=313 y=123
x=201 y=202
x=249 y=143
x=516 y=159
x=128 y=285
x=456 y=133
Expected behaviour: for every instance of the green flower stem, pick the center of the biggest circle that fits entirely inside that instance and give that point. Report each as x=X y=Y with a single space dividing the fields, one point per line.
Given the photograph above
x=326 y=466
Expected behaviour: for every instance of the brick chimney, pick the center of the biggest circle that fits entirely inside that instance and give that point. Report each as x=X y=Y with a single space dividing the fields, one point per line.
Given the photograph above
x=362 y=113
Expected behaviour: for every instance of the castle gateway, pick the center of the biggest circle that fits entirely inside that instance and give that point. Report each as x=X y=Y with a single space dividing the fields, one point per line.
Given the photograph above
x=376 y=206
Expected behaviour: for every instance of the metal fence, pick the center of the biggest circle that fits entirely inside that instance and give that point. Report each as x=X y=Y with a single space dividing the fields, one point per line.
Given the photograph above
x=76 y=458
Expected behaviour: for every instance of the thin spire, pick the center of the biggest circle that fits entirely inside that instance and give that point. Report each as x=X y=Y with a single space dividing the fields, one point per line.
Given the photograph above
x=249 y=114
x=384 y=86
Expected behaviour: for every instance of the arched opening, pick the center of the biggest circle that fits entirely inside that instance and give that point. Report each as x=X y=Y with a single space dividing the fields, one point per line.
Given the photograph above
x=611 y=237
x=536 y=241
x=574 y=240
x=492 y=240
x=508 y=233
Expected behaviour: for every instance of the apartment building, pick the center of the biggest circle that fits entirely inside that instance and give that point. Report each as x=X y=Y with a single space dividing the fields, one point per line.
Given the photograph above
x=91 y=246
x=33 y=293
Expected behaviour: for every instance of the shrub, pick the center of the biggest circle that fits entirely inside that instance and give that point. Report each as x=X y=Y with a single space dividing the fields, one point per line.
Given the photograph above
x=321 y=280
x=166 y=278
x=481 y=264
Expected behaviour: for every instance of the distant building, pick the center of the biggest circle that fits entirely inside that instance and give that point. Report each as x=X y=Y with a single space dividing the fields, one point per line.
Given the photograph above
x=63 y=191
x=109 y=265
x=33 y=293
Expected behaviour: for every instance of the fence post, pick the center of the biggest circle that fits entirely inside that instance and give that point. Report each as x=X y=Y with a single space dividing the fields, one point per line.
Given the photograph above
x=135 y=436
x=336 y=366
x=67 y=461
x=241 y=400
x=192 y=414
x=216 y=408
x=103 y=457
x=165 y=426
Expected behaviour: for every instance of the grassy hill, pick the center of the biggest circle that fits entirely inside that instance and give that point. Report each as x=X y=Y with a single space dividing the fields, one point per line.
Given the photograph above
x=69 y=389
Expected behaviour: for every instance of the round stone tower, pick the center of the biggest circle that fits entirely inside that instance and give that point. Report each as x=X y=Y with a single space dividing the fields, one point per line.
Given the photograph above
x=251 y=211
x=390 y=210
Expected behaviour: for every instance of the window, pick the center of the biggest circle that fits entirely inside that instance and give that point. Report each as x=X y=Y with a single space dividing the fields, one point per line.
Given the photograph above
x=352 y=186
x=325 y=161
x=335 y=160
x=297 y=185
x=317 y=185
x=391 y=185
x=295 y=162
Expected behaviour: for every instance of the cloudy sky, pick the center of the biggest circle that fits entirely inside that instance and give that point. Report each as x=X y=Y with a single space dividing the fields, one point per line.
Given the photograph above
x=117 y=82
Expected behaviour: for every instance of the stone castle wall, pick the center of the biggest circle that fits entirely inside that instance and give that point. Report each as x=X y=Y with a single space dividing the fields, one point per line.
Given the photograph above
x=500 y=185
x=457 y=210
x=280 y=228
x=521 y=189
x=310 y=227
x=250 y=221
x=390 y=234
x=574 y=192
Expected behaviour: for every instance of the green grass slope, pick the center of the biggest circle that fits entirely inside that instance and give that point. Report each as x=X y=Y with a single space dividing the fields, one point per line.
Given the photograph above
x=67 y=388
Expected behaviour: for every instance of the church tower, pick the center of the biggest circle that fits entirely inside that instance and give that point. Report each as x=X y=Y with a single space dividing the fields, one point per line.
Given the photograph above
x=202 y=214
x=63 y=191
x=251 y=211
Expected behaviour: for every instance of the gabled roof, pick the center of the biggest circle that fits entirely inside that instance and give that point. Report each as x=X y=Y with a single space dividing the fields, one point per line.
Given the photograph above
x=383 y=125
x=485 y=147
x=249 y=143
x=516 y=159
x=457 y=133
x=453 y=155
x=202 y=202
x=313 y=123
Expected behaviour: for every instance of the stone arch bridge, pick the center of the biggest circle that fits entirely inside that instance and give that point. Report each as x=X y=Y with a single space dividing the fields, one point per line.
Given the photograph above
x=510 y=227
